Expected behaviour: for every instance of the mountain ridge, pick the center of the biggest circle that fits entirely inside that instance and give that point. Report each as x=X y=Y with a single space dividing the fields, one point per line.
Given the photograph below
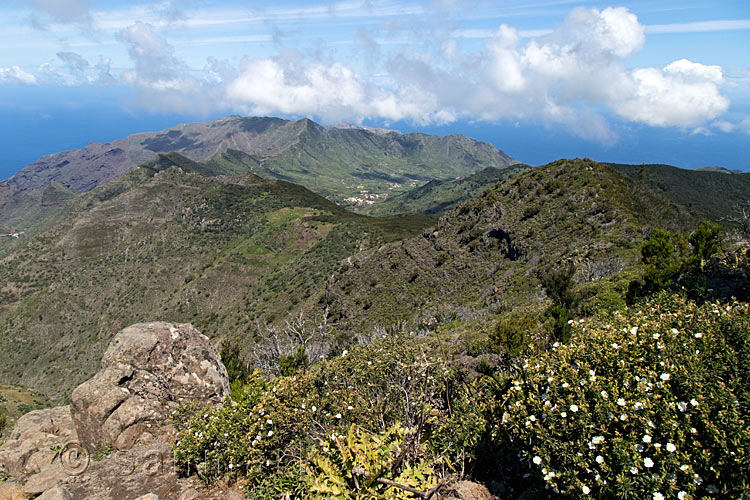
x=334 y=162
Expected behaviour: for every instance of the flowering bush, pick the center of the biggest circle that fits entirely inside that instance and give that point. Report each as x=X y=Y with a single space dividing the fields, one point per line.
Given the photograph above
x=650 y=403
x=269 y=426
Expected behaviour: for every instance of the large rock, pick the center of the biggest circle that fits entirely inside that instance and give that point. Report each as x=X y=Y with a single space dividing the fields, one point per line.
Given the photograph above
x=147 y=370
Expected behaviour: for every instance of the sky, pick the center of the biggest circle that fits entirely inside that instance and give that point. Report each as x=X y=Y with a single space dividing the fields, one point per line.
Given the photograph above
x=638 y=81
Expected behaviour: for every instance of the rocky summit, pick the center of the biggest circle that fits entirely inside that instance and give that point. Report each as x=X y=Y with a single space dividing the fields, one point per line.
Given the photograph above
x=114 y=440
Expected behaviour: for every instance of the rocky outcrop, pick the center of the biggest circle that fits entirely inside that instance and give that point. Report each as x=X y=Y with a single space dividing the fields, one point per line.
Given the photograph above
x=114 y=441
x=145 y=373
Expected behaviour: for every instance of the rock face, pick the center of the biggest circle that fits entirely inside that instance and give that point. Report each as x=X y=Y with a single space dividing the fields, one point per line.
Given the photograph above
x=146 y=372
x=148 y=369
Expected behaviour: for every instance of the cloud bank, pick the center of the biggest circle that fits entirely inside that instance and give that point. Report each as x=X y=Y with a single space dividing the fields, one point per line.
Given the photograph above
x=575 y=76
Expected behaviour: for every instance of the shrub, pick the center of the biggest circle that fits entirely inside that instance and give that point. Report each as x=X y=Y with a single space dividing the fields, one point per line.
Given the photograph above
x=558 y=283
x=268 y=425
x=639 y=405
x=705 y=243
x=512 y=335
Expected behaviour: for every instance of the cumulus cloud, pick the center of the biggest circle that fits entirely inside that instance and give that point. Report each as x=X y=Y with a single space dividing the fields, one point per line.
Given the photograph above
x=331 y=92
x=156 y=66
x=684 y=95
x=14 y=74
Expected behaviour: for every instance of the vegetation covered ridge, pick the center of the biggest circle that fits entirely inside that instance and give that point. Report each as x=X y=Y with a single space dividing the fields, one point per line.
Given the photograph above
x=164 y=242
x=486 y=255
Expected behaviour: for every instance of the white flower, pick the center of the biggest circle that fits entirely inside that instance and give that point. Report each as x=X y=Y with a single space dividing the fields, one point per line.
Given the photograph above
x=638 y=405
x=231 y=466
x=586 y=490
x=648 y=463
x=574 y=408
x=563 y=414
x=565 y=385
x=269 y=421
x=621 y=402
x=646 y=438
x=270 y=433
x=597 y=439
x=655 y=336
x=658 y=496
x=634 y=470
x=634 y=330
x=532 y=418
x=623 y=417
x=664 y=376
x=682 y=405
x=671 y=448
x=694 y=402
x=599 y=459
x=338 y=415
x=537 y=459
x=675 y=331
x=604 y=394
x=681 y=495
x=684 y=467
x=698 y=335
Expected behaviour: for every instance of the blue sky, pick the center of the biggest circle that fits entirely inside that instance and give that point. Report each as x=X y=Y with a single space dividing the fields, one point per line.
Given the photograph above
x=637 y=81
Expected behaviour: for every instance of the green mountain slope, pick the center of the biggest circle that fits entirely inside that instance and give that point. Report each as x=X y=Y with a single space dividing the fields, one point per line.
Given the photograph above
x=710 y=194
x=164 y=242
x=335 y=162
x=484 y=256
x=439 y=196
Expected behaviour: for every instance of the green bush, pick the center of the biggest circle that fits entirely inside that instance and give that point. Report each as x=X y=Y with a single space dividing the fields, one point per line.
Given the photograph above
x=512 y=335
x=650 y=403
x=705 y=242
x=667 y=255
x=268 y=426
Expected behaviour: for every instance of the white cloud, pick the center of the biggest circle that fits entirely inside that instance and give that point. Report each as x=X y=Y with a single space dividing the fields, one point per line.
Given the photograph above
x=156 y=66
x=672 y=97
x=332 y=92
x=14 y=74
